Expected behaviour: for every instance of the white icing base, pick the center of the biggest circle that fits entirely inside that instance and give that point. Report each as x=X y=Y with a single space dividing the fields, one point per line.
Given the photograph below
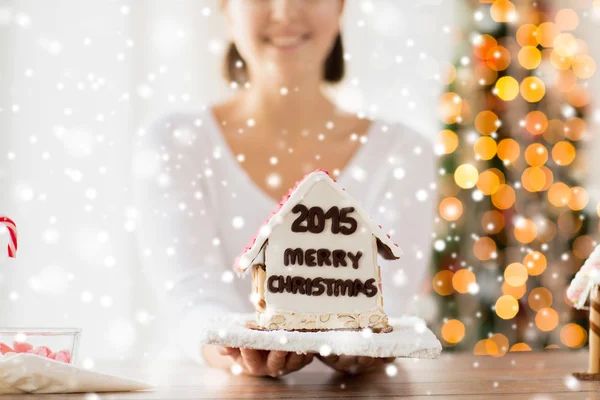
x=410 y=338
x=374 y=319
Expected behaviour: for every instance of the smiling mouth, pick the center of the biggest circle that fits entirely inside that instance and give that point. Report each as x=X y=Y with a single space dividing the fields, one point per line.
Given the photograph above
x=287 y=42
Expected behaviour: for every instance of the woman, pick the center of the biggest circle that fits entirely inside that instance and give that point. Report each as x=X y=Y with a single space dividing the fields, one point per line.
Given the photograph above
x=222 y=171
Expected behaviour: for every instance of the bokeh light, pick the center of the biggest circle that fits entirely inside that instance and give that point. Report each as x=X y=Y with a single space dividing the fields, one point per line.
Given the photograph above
x=530 y=57
x=539 y=298
x=442 y=283
x=504 y=197
x=453 y=331
x=584 y=66
x=573 y=335
x=515 y=274
x=563 y=153
x=559 y=194
x=533 y=89
x=536 y=154
x=466 y=176
x=515 y=291
x=525 y=230
x=536 y=122
x=546 y=319
x=489 y=182
x=546 y=33
x=518 y=347
x=579 y=198
x=567 y=19
x=527 y=35
x=508 y=150
x=503 y=11
x=507 y=307
x=535 y=262
x=484 y=148
x=575 y=129
x=484 y=248
x=486 y=122
x=446 y=142
x=507 y=88
x=462 y=280
x=498 y=58
x=492 y=221
x=451 y=208
x=450 y=107
x=497 y=345
x=482 y=45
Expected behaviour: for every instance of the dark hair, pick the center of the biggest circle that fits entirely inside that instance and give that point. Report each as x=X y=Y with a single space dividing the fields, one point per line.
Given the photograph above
x=334 y=67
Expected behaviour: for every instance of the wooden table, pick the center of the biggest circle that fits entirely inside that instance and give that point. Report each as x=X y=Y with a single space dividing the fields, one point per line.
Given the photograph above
x=536 y=376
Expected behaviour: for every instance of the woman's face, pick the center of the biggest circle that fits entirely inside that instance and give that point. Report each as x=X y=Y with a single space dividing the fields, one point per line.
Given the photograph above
x=289 y=38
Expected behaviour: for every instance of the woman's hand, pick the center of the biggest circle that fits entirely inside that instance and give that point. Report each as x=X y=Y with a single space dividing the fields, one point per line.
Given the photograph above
x=265 y=362
x=354 y=364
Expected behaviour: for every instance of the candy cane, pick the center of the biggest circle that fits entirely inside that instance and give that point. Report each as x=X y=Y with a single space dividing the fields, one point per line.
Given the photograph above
x=12 y=231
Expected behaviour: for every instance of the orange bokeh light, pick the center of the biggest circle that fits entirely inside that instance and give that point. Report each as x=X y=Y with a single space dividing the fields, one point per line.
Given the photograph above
x=484 y=248
x=498 y=58
x=503 y=11
x=507 y=88
x=546 y=319
x=530 y=57
x=535 y=262
x=536 y=154
x=546 y=33
x=533 y=89
x=536 y=122
x=451 y=208
x=508 y=150
x=507 y=307
x=579 y=198
x=482 y=45
x=575 y=129
x=453 y=331
x=492 y=221
x=515 y=291
x=442 y=283
x=450 y=107
x=539 y=298
x=466 y=176
x=567 y=19
x=488 y=182
x=525 y=230
x=563 y=153
x=526 y=35
x=559 y=194
x=515 y=274
x=504 y=197
x=462 y=280
x=485 y=148
x=573 y=335
x=486 y=122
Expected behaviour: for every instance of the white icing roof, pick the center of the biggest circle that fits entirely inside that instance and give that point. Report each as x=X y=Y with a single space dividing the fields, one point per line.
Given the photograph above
x=386 y=247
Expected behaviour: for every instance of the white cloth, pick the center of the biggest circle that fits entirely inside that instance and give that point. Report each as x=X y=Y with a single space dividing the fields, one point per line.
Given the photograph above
x=30 y=373
x=410 y=338
x=199 y=209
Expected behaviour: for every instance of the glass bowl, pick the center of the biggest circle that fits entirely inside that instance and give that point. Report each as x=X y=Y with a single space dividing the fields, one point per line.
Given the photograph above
x=60 y=344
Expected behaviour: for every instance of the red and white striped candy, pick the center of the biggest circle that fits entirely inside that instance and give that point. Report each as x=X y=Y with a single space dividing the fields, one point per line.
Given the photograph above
x=12 y=232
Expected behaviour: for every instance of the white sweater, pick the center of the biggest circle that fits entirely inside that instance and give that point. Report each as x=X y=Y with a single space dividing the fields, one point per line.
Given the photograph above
x=198 y=209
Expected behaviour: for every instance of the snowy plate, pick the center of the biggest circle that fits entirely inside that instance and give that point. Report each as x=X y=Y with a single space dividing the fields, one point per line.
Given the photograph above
x=410 y=339
x=30 y=373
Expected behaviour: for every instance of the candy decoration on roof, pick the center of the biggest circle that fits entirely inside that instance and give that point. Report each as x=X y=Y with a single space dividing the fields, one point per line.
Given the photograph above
x=12 y=231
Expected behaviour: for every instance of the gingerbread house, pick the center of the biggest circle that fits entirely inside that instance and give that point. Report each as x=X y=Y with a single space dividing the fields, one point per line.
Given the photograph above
x=314 y=262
